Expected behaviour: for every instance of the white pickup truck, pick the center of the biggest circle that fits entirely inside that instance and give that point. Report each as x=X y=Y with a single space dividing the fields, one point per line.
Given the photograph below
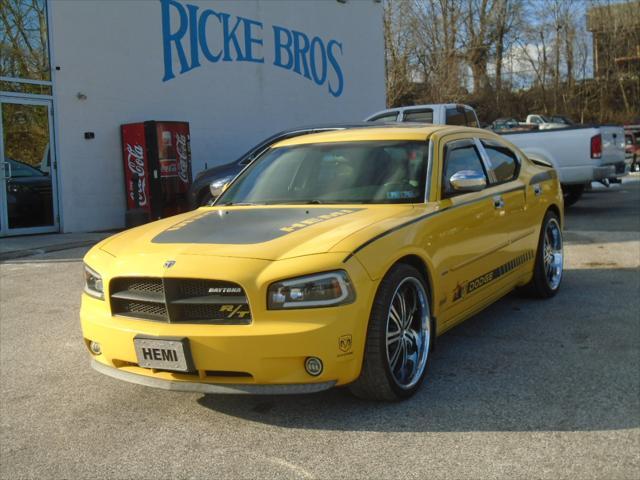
x=580 y=154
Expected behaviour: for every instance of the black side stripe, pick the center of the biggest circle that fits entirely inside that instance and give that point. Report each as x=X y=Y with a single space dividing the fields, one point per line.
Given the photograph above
x=390 y=231
x=541 y=177
x=423 y=217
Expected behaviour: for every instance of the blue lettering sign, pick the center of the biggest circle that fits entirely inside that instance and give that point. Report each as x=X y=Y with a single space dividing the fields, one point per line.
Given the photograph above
x=223 y=37
x=193 y=35
x=250 y=40
x=202 y=36
x=337 y=91
x=282 y=44
x=230 y=37
x=300 y=53
x=317 y=54
x=168 y=38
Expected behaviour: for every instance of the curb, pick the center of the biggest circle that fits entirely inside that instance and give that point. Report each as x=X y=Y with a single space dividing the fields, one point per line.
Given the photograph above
x=45 y=249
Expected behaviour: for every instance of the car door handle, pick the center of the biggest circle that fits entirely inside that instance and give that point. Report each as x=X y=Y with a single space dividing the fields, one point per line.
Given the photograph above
x=498 y=201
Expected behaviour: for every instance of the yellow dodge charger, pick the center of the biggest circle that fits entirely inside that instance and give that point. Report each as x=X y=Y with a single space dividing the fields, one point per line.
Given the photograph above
x=333 y=259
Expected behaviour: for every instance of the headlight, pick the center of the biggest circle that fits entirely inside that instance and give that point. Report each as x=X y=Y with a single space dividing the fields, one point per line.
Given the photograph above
x=93 y=283
x=321 y=290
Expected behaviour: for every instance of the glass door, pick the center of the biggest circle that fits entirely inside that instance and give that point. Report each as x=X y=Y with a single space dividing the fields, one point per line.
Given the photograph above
x=28 y=200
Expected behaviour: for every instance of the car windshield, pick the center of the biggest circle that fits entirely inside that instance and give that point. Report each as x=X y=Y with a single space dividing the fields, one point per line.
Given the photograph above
x=344 y=172
x=21 y=169
x=564 y=120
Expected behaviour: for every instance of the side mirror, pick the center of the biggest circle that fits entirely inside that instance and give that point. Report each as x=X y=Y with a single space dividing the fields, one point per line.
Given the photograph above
x=468 y=181
x=217 y=188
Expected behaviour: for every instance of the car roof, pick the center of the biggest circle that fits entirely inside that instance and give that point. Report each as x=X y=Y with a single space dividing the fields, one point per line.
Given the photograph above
x=391 y=131
x=409 y=108
x=323 y=126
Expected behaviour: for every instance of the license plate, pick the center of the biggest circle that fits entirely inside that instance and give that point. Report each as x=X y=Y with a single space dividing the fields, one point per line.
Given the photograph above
x=164 y=353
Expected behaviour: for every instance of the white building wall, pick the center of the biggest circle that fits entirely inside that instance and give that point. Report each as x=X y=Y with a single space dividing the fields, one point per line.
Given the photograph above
x=113 y=53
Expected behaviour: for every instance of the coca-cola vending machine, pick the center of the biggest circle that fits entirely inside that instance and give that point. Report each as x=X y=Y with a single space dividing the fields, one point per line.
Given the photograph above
x=157 y=169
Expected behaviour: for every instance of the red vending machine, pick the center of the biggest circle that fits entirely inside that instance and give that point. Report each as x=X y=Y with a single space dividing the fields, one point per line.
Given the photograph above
x=157 y=169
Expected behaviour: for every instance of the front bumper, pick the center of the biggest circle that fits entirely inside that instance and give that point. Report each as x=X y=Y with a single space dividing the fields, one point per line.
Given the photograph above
x=184 y=386
x=269 y=352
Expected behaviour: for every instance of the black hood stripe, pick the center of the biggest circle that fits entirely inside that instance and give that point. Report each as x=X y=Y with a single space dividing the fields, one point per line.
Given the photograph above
x=247 y=226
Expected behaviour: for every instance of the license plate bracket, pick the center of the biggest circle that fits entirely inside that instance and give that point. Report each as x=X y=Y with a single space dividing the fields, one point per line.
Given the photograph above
x=164 y=353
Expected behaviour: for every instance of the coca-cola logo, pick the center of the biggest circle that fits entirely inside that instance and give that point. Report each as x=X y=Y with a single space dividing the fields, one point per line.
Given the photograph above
x=135 y=161
x=183 y=164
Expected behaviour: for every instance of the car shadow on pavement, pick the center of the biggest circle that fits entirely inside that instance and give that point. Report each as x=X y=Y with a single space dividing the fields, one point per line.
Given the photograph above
x=566 y=364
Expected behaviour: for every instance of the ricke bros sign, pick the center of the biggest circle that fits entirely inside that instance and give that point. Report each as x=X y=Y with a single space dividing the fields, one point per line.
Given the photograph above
x=220 y=37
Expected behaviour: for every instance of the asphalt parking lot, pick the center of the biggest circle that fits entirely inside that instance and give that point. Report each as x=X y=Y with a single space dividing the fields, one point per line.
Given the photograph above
x=527 y=389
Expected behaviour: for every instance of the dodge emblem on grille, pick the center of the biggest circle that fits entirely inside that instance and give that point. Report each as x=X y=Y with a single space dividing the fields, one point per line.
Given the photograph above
x=169 y=263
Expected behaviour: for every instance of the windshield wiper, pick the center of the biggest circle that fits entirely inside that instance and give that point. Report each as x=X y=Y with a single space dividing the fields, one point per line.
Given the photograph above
x=241 y=204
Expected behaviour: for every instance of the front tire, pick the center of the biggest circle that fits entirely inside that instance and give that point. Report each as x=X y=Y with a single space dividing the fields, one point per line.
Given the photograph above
x=549 y=262
x=399 y=338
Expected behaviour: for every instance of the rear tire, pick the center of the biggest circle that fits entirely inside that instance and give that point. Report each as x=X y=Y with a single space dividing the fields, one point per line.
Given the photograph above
x=548 y=267
x=572 y=194
x=399 y=338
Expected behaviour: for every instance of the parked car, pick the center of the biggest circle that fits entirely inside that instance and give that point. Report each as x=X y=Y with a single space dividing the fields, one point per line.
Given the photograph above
x=547 y=123
x=632 y=146
x=580 y=154
x=510 y=125
x=333 y=259
x=29 y=196
x=213 y=179
x=562 y=119
x=438 y=114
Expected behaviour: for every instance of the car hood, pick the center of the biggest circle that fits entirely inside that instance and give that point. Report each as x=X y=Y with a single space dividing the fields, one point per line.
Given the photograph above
x=261 y=232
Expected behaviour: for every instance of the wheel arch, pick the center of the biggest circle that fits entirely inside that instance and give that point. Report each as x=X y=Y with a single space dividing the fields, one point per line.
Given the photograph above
x=422 y=266
x=555 y=209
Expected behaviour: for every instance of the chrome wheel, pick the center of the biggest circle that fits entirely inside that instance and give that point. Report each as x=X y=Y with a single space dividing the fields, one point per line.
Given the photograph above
x=552 y=254
x=408 y=332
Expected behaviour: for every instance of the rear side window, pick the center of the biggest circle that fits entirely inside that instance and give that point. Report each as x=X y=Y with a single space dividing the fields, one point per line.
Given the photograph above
x=472 y=121
x=458 y=156
x=456 y=117
x=424 y=116
x=386 y=117
x=504 y=162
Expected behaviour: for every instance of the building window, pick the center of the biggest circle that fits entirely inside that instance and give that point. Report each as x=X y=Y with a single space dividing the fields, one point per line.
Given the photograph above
x=24 y=47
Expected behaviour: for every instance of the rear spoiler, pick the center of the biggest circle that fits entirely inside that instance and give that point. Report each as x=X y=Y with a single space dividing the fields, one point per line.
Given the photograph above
x=540 y=161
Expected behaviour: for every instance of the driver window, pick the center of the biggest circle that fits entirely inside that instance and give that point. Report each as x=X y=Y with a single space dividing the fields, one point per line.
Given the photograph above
x=459 y=155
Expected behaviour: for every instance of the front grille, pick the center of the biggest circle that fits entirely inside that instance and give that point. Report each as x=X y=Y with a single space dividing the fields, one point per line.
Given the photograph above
x=155 y=309
x=180 y=300
x=148 y=285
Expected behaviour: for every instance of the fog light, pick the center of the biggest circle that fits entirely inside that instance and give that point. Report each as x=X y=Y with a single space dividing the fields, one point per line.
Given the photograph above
x=313 y=366
x=95 y=348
